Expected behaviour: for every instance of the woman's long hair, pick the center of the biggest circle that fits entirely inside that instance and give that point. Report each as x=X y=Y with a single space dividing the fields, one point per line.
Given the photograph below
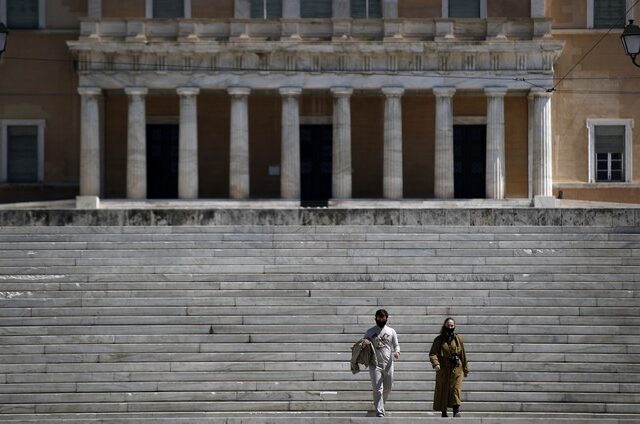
x=443 y=330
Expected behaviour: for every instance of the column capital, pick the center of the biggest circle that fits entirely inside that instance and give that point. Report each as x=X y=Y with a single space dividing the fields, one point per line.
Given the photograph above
x=136 y=91
x=239 y=91
x=393 y=91
x=290 y=91
x=342 y=91
x=89 y=91
x=188 y=91
x=495 y=91
x=444 y=91
x=540 y=92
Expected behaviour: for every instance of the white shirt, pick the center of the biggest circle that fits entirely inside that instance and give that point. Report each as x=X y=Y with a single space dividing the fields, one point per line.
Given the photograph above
x=385 y=341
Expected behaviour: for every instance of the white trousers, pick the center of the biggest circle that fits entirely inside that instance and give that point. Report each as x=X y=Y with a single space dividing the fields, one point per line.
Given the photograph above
x=382 y=383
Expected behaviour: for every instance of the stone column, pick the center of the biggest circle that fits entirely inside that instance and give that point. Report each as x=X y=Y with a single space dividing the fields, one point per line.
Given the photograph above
x=542 y=144
x=239 y=145
x=537 y=8
x=90 y=142
x=290 y=150
x=341 y=9
x=136 y=144
x=392 y=168
x=495 y=171
x=443 y=181
x=341 y=184
x=188 y=143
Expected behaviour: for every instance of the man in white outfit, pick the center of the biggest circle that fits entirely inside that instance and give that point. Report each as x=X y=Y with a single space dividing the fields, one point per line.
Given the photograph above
x=385 y=342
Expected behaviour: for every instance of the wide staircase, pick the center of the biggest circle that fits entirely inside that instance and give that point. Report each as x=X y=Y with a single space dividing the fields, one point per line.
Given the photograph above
x=254 y=323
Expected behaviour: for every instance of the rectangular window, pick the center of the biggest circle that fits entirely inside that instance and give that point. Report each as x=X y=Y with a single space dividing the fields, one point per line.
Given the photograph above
x=610 y=152
x=320 y=9
x=23 y=14
x=464 y=9
x=366 y=9
x=266 y=9
x=609 y=13
x=167 y=9
x=22 y=153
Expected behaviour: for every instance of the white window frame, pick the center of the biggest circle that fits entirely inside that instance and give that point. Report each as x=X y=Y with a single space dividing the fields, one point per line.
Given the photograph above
x=367 y=10
x=591 y=14
x=4 y=146
x=628 y=147
x=483 y=9
x=42 y=13
x=149 y=9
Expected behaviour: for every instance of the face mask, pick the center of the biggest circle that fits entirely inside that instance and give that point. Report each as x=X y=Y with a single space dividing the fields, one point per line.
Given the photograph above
x=450 y=330
x=381 y=323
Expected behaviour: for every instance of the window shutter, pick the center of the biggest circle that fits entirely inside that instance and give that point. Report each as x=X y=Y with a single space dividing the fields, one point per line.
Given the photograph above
x=168 y=8
x=257 y=9
x=610 y=138
x=359 y=9
x=274 y=9
x=22 y=154
x=608 y=13
x=315 y=9
x=464 y=8
x=22 y=14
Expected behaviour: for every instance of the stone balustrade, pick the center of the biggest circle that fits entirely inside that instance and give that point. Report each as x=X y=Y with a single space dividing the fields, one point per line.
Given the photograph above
x=194 y=30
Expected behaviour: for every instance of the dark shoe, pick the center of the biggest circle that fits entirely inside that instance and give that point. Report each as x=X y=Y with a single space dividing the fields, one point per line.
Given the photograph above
x=444 y=415
x=380 y=415
x=456 y=414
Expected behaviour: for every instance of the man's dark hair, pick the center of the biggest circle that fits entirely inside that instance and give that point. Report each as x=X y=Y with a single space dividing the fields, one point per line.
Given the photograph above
x=382 y=313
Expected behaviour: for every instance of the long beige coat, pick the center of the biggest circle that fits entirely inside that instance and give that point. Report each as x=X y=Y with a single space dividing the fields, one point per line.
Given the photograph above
x=448 y=390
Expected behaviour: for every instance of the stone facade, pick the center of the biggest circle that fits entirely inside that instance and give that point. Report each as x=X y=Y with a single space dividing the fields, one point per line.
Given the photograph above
x=393 y=90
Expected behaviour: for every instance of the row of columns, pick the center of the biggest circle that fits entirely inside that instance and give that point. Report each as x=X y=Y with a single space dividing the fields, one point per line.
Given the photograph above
x=290 y=147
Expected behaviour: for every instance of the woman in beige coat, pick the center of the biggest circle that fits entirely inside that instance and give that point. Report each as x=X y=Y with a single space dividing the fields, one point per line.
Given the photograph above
x=449 y=360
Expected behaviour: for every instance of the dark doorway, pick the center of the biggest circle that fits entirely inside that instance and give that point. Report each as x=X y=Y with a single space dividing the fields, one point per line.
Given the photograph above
x=162 y=161
x=469 y=157
x=315 y=164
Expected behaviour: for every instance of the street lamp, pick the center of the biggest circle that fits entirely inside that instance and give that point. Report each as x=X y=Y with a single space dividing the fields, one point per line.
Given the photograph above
x=631 y=41
x=4 y=34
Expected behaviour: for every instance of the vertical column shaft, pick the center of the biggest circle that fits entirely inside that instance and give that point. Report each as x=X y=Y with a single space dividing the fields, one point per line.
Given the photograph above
x=89 y=141
x=443 y=178
x=495 y=167
x=542 y=144
x=94 y=8
x=136 y=144
x=239 y=145
x=290 y=150
x=392 y=166
x=188 y=143
x=341 y=182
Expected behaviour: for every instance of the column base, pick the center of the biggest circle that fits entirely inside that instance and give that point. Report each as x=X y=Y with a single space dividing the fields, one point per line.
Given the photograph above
x=545 y=202
x=87 y=202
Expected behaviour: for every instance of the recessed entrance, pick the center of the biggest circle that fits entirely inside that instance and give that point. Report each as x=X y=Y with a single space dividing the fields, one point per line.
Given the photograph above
x=162 y=161
x=469 y=157
x=315 y=164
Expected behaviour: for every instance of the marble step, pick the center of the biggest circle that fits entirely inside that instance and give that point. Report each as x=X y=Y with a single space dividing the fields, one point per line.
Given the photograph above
x=329 y=418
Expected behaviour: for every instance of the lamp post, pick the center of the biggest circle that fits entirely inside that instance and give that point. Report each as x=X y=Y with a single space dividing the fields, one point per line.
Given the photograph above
x=631 y=41
x=4 y=34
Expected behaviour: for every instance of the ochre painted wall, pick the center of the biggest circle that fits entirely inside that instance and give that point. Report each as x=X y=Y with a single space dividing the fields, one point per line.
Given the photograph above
x=516 y=142
x=419 y=9
x=567 y=13
x=48 y=91
x=418 y=133
x=508 y=8
x=65 y=14
x=264 y=144
x=209 y=9
x=367 y=138
x=213 y=143
x=123 y=8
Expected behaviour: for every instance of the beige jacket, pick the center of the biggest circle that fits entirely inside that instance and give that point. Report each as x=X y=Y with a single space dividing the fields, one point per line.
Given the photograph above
x=362 y=353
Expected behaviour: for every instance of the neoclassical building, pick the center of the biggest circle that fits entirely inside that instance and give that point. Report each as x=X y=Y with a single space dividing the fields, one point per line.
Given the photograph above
x=317 y=100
